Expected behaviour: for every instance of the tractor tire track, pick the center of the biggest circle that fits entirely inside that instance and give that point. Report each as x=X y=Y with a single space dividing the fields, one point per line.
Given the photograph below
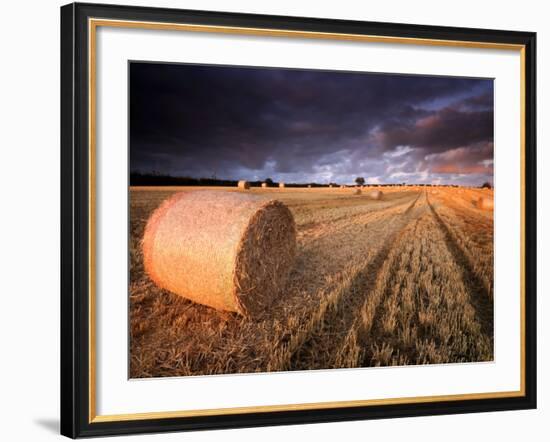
x=479 y=297
x=374 y=338
x=317 y=349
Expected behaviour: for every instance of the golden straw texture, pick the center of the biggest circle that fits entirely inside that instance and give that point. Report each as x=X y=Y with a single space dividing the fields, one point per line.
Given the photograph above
x=228 y=250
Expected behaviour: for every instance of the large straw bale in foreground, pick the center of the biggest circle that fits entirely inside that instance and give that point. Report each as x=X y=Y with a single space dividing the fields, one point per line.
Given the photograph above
x=244 y=185
x=231 y=251
x=375 y=194
x=485 y=203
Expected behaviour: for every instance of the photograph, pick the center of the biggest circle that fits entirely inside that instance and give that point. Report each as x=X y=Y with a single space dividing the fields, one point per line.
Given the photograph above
x=281 y=219
x=285 y=219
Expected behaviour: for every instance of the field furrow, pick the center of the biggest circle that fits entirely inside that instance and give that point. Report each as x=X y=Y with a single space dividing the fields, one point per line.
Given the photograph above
x=471 y=232
x=317 y=351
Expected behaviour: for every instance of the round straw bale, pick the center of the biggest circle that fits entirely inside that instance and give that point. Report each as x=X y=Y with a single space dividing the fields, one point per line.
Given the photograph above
x=357 y=191
x=230 y=251
x=264 y=185
x=375 y=194
x=485 y=203
x=281 y=184
x=244 y=185
x=309 y=186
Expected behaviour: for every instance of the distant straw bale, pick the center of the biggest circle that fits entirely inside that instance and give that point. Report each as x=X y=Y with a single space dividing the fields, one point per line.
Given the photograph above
x=375 y=195
x=357 y=191
x=281 y=184
x=244 y=185
x=485 y=203
x=264 y=185
x=228 y=250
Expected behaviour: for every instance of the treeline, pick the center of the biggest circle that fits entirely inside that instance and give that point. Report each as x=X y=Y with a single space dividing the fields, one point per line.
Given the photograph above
x=155 y=179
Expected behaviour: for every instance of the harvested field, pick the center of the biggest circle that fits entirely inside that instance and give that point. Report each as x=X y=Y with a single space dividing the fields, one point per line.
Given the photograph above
x=406 y=279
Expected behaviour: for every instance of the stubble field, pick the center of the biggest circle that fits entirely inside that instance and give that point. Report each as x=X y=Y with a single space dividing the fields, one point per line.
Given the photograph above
x=400 y=281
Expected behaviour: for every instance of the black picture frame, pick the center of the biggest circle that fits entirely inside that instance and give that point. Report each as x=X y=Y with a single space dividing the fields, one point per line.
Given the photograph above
x=75 y=221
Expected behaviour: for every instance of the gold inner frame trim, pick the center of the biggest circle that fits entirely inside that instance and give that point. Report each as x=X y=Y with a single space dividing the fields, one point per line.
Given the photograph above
x=93 y=24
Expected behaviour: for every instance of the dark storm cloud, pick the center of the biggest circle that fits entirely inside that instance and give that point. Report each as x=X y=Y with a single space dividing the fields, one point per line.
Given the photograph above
x=444 y=129
x=303 y=126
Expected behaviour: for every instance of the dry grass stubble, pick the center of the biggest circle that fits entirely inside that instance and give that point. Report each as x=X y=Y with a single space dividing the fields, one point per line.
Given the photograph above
x=374 y=283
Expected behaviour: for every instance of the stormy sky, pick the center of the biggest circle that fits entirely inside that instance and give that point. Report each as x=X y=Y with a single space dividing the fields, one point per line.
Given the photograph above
x=306 y=126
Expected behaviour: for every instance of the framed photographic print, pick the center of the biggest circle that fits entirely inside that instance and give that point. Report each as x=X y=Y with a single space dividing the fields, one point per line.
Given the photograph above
x=279 y=220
